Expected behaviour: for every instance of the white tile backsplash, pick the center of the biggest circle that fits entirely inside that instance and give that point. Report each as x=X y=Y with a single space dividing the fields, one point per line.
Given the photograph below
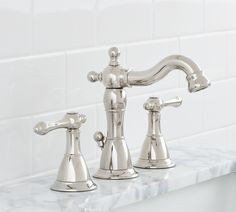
x=178 y=17
x=212 y=139
x=123 y=21
x=15 y=152
x=16 y=28
x=209 y=51
x=231 y=53
x=48 y=48
x=231 y=134
x=32 y=85
x=63 y=24
x=220 y=15
x=220 y=104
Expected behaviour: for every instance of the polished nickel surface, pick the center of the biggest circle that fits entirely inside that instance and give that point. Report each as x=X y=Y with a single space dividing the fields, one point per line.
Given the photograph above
x=115 y=160
x=154 y=153
x=73 y=174
x=195 y=77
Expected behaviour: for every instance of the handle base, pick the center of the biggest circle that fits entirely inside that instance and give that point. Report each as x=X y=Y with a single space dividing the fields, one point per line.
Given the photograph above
x=154 y=154
x=116 y=174
x=157 y=164
x=88 y=185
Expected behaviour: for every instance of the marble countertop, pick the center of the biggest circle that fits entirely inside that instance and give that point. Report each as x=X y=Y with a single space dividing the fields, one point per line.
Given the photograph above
x=195 y=164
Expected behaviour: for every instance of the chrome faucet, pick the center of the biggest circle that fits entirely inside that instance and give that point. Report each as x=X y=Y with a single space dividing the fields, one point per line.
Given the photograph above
x=115 y=160
x=154 y=153
x=73 y=174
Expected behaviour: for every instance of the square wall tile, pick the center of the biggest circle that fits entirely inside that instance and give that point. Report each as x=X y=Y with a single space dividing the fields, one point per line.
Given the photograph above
x=231 y=53
x=32 y=85
x=178 y=17
x=48 y=150
x=143 y=56
x=220 y=14
x=123 y=21
x=63 y=24
x=15 y=152
x=209 y=51
x=220 y=104
x=16 y=28
x=79 y=90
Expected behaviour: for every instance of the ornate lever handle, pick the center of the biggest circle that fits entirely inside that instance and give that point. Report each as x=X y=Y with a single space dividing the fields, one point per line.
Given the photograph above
x=71 y=121
x=156 y=104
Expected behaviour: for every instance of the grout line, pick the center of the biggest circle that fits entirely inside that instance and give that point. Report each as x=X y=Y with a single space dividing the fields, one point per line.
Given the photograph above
x=99 y=47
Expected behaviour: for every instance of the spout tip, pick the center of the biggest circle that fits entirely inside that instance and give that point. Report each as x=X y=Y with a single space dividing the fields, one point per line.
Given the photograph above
x=197 y=82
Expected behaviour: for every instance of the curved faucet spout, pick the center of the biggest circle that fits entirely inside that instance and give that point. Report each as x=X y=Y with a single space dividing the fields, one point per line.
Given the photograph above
x=195 y=77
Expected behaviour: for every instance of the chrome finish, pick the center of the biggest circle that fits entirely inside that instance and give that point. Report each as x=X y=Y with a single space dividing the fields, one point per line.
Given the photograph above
x=115 y=158
x=73 y=174
x=154 y=153
x=195 y=77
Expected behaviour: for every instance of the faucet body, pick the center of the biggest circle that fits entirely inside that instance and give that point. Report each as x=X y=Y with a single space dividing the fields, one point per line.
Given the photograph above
x=154 y=152
x=115 y=160
x=73 y=174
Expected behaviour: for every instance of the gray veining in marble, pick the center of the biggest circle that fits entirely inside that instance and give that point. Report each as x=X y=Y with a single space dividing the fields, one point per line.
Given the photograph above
x=194 y=164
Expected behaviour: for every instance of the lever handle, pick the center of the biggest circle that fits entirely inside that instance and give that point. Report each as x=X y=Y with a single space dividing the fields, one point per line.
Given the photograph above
x=94 y=76
x=156 y=103
x=175 y=102
x=71 y=120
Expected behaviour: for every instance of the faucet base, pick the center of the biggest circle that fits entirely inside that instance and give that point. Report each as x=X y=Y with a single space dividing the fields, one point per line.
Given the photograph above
x=73 y=186
x=116 y=174
x=154 y=164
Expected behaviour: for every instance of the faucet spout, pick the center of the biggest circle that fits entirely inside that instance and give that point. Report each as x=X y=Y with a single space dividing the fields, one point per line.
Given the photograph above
x=115 y=160
x=195 y=77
